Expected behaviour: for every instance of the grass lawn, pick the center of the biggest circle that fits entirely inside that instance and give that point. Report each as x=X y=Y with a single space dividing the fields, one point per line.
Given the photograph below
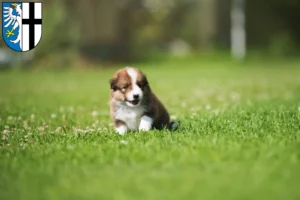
x=239 y=136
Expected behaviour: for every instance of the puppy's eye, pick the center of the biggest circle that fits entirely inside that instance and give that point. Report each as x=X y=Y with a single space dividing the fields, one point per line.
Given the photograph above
x=124 y=88
x=142 y=84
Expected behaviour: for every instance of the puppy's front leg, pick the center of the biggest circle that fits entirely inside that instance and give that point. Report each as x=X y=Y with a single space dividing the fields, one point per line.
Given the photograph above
x=146 y=123
x=120 y=127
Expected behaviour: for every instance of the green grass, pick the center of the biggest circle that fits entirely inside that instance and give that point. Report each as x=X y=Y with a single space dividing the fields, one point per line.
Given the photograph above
x=239 y=137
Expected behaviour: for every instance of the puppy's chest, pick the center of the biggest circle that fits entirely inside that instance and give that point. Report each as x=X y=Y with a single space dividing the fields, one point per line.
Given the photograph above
x=131 y=116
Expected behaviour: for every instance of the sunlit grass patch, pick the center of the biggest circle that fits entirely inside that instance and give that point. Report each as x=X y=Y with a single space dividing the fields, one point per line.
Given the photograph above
x=239 y=135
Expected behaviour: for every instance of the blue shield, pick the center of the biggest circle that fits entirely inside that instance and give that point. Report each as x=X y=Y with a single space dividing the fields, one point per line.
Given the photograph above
x=21 y=25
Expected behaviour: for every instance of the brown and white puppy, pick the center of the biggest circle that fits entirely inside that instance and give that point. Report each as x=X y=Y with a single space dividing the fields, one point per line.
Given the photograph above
x=133 y=106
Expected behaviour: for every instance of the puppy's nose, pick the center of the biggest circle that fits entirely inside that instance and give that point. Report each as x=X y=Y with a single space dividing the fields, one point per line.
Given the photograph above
x=135 y=96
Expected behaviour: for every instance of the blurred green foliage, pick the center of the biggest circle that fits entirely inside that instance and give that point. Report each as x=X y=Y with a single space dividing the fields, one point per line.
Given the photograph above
x=133 y=29
x=59 y=31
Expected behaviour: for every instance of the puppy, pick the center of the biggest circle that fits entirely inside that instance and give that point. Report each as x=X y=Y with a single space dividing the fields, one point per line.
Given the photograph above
x=133 y=106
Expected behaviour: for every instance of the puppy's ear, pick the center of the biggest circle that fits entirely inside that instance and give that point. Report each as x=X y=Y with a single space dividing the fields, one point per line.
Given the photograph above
x=144 y=81
x=113 y=83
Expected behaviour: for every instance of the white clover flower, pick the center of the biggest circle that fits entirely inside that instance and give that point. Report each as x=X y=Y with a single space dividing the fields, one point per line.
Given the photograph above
x=32 y=116
x=58 y=129
x=183 y=104
x=208 y=107
x=71 y=108
x=41 y=128
x=61 y=109
x=216 y=111
x=70 y=147
x=173 y=117
x=25 y=124
x=94 y=113
x=123 y=142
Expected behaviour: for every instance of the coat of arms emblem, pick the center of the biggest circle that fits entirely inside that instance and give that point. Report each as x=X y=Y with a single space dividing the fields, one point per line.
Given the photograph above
x=21 y=25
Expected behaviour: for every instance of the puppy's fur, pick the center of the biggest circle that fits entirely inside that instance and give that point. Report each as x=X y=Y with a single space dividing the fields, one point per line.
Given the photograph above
x=133 y=106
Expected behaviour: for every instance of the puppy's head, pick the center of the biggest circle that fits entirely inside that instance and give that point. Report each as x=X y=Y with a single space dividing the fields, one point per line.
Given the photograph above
x=129 y=85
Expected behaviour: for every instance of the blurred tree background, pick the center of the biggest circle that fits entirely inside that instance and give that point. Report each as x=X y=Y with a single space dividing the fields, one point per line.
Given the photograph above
x=127 y=30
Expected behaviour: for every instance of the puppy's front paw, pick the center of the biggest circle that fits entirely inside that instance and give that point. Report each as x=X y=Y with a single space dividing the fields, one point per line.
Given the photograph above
x=144 y=127
x=121 y=130
x=146 y=123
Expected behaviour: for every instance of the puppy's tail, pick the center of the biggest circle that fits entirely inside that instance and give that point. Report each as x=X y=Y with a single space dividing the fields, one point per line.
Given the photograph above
x=173 y=126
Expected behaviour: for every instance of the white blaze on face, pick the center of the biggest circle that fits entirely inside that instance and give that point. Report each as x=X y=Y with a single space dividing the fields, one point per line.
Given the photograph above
x=136 y=90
